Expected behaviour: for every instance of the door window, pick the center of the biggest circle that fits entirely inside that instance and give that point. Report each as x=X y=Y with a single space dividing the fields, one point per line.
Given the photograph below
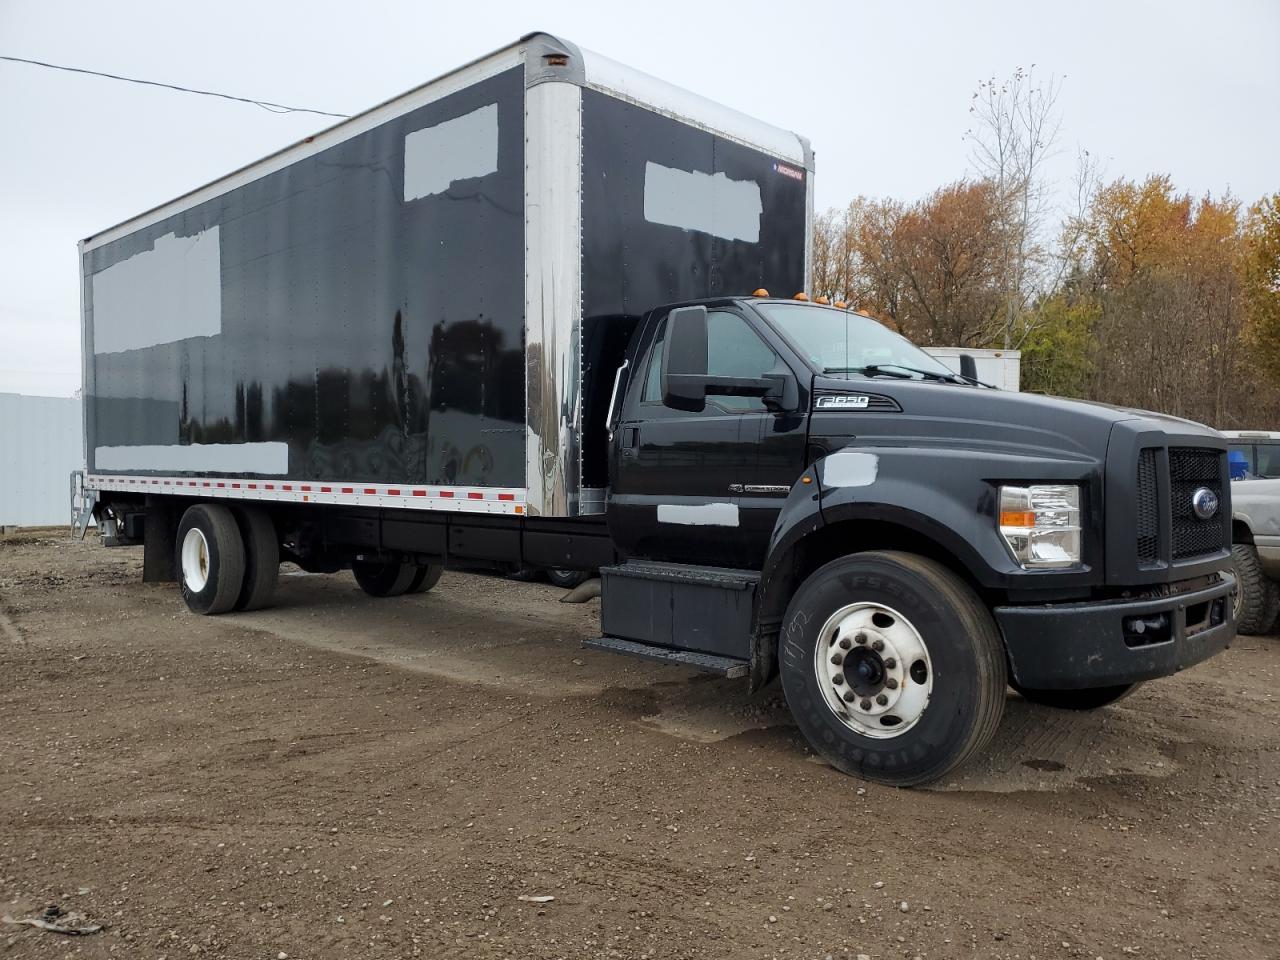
x=1268 y=460
x=734 y=349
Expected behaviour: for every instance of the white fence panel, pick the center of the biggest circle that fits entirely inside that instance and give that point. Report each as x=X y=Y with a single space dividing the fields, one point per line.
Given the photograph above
x=41 y=442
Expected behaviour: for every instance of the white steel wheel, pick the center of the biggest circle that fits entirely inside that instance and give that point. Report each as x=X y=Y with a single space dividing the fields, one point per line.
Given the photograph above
x=210 y=556
x=195 y=560
x=874 y=669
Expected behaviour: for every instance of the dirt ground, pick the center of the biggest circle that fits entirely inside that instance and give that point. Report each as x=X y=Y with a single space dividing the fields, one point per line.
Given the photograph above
x=347 y=777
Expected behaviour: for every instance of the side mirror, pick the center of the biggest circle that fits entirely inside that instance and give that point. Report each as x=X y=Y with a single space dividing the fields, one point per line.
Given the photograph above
x=968 y=366
x=684 y=360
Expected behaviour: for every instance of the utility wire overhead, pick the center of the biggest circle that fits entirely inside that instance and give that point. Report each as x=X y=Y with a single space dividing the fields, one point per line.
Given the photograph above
x=264 y=104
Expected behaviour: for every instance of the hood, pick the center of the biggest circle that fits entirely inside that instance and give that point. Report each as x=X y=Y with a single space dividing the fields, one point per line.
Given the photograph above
x=924 y=412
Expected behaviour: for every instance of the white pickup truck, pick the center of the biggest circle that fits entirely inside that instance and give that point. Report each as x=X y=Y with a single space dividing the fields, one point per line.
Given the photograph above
x=1255 y=548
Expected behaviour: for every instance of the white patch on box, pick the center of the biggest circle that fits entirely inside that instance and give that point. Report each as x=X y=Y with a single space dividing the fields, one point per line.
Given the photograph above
x=707 y=203
x=847 y=468
x=463 y=148
x=699 y=514
x=271 y=458
x=169 y=293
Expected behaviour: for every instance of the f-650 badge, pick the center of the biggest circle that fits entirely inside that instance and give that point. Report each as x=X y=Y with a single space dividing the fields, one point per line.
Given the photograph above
x=843 y=402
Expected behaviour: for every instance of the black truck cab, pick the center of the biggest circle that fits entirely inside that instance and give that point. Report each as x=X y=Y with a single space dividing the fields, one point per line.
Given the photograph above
x=795 y=487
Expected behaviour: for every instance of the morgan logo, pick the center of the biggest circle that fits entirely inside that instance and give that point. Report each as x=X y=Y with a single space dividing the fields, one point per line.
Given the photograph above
x=844 y=402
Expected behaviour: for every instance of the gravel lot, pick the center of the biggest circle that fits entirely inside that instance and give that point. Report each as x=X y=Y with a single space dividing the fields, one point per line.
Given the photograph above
x=347 y=777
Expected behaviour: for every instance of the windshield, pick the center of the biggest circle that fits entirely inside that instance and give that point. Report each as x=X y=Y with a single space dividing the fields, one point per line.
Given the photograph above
x=842 y=343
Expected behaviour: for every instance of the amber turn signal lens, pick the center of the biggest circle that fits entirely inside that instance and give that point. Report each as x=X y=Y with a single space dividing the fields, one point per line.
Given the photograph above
x=762 y=292
x=1020 y=518
x=801 y=296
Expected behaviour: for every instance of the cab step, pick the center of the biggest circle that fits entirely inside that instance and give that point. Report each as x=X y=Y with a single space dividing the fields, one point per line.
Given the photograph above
x=707 y=662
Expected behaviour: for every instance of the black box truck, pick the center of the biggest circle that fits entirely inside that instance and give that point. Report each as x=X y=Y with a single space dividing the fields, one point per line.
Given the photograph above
x=522 y=314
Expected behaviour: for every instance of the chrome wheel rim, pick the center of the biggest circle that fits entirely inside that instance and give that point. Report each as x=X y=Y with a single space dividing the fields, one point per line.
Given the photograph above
x=195 y=560
x=874 y=670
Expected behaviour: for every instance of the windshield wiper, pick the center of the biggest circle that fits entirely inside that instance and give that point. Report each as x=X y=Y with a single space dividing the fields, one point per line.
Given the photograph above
x=888 y=368
x=870 y=371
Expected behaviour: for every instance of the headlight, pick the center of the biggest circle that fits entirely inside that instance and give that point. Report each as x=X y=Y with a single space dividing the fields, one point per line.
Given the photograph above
x=1041 y=524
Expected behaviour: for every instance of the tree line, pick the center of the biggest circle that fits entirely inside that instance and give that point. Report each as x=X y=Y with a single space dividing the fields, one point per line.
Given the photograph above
x=1138 y=295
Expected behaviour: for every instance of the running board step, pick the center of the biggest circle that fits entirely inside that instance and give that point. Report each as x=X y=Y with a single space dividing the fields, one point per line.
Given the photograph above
x=708 y=662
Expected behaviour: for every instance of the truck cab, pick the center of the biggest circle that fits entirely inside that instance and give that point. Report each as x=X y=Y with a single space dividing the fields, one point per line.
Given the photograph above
x=796 y=488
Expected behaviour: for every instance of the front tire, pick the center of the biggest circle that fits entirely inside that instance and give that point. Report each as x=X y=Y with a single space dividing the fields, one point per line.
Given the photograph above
x=210 y=556
x=1092 y=698
x=892 y=667
x=567 y=579
x=1257 y=596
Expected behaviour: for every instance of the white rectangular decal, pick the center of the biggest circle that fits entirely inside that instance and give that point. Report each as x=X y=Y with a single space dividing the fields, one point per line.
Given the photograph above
x=699 y=514
x=459 y=149
x=168 y=293
x=271 y=458
x=708 y=203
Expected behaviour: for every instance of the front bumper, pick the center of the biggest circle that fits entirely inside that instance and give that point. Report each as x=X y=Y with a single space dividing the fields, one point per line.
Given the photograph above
x=1063 y=646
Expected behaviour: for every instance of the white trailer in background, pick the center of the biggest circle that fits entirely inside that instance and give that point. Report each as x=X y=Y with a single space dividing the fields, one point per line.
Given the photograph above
x=1000 y=368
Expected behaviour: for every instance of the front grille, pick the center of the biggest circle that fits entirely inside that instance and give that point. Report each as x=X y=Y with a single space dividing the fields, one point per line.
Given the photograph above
x=1148 y=509
x=1189 y=470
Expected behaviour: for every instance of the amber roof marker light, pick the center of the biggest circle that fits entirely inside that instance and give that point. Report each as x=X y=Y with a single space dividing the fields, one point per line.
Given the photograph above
x=822 y=300
x=761 y=292
x=801 y=296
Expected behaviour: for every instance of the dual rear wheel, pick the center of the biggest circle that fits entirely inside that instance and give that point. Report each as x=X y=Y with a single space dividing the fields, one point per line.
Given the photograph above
x=228 y=558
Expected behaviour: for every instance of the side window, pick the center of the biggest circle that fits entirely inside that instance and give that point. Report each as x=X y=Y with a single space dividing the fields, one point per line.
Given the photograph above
x=1268 y=464
x=653 y=374
x=733 y=350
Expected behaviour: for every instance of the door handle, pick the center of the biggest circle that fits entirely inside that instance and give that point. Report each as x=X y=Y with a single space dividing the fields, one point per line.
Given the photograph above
x=631 y=437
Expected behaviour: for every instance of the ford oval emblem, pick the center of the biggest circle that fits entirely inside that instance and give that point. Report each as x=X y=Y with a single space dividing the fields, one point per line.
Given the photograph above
x=1205 y=503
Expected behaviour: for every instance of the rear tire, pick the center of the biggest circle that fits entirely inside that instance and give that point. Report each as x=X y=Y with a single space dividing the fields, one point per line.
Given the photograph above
x=567 y=579
x=940 y=646
x=428 y=576
x=1092 y=698
x=1257 y=596
x=262 y=558
x=210 y=557
x=384 y=578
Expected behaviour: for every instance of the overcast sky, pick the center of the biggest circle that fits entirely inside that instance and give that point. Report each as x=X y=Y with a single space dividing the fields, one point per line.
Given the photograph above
x=882 y=90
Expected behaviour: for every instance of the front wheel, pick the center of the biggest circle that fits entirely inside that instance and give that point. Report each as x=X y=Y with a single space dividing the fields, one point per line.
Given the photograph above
x=1092 y=698
x=1257 y=597
x=893 y=668
x=567 y=579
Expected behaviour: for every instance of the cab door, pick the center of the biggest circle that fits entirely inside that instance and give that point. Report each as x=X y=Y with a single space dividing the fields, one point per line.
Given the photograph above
x=690 y=487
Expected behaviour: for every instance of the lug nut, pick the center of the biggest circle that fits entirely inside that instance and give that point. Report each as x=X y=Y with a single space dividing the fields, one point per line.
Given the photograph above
x=844 y=643
x=877 y=645
x=838 y=679
x=890 y=663
x=865 y=704
x=859 y=638
x=891 y=683
x=881 y=699
x=850 y=696
x=837 y=658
